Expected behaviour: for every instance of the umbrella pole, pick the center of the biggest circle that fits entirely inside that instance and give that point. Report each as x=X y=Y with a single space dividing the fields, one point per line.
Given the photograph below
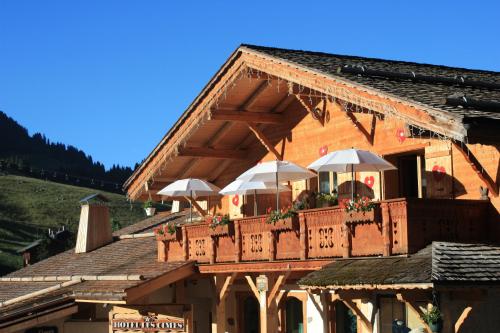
x=352 y=182
x=254 y=202
x=191 y=208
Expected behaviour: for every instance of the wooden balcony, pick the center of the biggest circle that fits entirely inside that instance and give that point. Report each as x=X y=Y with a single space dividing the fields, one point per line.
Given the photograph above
x=398 y=226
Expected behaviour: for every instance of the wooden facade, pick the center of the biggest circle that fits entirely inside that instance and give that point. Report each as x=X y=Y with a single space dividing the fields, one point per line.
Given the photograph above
x=261 y=108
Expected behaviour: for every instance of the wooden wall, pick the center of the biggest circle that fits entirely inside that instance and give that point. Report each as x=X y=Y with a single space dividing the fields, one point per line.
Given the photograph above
x=305 y=136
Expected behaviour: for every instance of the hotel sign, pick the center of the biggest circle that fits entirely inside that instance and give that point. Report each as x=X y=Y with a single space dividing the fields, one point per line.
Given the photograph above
x=156 y=318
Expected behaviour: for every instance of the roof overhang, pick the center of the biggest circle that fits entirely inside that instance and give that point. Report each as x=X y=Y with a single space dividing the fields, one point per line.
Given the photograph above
x=251 y=63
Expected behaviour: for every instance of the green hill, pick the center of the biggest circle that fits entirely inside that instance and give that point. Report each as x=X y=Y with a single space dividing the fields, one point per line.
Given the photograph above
x=28 y=207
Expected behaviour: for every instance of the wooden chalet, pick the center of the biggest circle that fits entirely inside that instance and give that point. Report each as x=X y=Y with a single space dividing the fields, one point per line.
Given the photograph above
x=433 y=237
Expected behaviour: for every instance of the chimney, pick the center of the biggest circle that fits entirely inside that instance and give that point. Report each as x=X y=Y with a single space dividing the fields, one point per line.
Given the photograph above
x=94 y=229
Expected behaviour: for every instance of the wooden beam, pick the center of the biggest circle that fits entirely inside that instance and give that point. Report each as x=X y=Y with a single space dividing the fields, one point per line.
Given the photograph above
x=254 y=95
x=413 y=305
x=40 y=320
x=161 y=281
x=213 y=153
x=246 y=116
x=265 y=142
x=461 y=319
x=253 y=288
x=360 y=127
x=228 y=281
x=280 y=281
x=357 y=311
x=196 y=206
x=477 y=167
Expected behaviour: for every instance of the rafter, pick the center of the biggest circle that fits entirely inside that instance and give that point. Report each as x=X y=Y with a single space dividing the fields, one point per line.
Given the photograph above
x=246 y=116
x=196 y=206
x=264 y=140
x=213 y=153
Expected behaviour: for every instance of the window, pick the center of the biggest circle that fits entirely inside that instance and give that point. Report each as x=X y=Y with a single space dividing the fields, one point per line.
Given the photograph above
x=327 y=182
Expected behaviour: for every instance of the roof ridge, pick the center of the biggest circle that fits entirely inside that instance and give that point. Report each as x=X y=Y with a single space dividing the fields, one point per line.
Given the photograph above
x=353 y=57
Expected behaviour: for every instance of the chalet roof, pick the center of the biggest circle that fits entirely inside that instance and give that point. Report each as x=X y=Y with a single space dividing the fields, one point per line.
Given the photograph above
x=462 y=104
x=432 y=94
x=441 y=262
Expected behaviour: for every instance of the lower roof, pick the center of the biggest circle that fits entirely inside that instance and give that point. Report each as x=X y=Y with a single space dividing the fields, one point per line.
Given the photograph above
x=441 y=262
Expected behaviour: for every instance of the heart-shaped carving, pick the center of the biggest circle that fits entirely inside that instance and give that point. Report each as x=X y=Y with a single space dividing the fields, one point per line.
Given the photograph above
x=369 y=181
x=236 y=200
x=323 y=151
x=400 y=134
x=438 y=172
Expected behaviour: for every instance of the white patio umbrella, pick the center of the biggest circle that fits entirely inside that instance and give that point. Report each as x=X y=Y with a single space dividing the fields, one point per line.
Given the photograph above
x=351 y=160
x=190 y=187
x=243 y=187
x=276 y=172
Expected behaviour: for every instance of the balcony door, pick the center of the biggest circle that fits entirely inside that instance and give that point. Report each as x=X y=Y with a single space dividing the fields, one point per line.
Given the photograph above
x=408 y=181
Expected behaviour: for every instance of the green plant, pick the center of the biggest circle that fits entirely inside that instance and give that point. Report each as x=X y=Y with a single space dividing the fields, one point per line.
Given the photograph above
x=432 y=316
x=148 y=203
x=300 y=205
x=327 y=197
x=359 y=204
x=169 y=228
x=276 y=215
x=219 y=220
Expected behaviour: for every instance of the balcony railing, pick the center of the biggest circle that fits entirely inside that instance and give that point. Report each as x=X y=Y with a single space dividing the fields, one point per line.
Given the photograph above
x=398 y=226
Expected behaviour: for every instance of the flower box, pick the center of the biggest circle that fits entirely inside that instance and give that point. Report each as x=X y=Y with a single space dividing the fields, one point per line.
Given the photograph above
x=288 y=223
x=353 y=216
x=176 y=236
x=221 y=230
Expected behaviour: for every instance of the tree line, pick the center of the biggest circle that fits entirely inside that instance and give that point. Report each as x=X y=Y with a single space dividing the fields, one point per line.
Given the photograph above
x=36 y=156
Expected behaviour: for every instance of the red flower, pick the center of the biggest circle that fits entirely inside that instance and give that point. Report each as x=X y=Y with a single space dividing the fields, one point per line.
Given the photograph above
x=269 y=210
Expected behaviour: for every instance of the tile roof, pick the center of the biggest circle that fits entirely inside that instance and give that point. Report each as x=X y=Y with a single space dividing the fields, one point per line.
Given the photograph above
x=458 y=262
x=388 y=270
x=441 y=262
x=129 y=256
x=425 y=93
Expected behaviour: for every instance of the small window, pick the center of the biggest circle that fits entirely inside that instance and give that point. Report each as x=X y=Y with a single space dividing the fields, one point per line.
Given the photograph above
x=327 y=182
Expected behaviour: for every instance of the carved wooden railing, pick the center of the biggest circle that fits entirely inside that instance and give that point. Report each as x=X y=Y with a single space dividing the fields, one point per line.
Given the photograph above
x=397 y=226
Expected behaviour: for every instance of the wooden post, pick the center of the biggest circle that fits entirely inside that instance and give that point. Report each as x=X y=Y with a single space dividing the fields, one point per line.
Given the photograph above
x=185 y=247
x=237 y=241
x=162 y=250
x=386 y=229
x=346 y=240
x=222 y=285
x=272 y=246
x=303 y=237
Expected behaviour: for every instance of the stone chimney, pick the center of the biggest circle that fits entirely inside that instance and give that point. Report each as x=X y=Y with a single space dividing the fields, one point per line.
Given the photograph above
x=94 y=229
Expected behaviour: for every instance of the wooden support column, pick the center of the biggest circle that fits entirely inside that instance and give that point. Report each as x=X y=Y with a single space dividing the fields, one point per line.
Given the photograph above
x=386 y=229
x=261 y=296
x=348 y=299
x=265 y=142
x=222 y=286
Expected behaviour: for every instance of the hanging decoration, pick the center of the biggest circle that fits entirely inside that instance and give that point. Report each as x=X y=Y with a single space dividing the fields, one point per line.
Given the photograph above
x=323 y=151
x=236 y=200
x=400 y=135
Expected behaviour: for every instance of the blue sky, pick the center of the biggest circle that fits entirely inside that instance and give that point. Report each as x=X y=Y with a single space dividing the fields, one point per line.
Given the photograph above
x=111 y=77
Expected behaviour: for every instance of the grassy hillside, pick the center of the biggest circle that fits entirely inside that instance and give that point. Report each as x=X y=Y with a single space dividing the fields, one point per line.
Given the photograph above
x=28 y=207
